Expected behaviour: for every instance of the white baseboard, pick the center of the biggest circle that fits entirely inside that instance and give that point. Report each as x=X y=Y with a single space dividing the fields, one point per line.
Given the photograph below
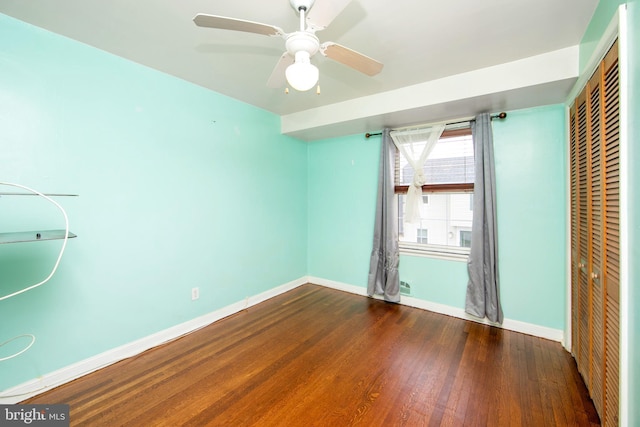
x=509 y=324
x=68 y=373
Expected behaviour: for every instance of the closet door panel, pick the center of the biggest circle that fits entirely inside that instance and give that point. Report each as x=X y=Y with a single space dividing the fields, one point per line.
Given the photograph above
x=596 y=223
x=584 y=294
x=611 y=148
x=575 y=255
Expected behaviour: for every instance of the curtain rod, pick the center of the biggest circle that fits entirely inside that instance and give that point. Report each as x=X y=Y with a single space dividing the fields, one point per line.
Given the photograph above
x=500 y=116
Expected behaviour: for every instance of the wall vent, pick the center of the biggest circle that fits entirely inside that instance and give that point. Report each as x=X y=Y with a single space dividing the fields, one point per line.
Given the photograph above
x=405 y=288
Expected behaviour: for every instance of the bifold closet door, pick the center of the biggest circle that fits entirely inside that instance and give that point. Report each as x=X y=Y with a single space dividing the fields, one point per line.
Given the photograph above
x=595 y=235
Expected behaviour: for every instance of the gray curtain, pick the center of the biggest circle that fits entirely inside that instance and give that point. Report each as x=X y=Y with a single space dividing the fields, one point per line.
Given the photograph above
x=483 y=289
x=383 y=270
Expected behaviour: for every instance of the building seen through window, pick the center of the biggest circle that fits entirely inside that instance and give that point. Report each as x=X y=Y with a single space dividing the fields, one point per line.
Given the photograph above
x=446 y=208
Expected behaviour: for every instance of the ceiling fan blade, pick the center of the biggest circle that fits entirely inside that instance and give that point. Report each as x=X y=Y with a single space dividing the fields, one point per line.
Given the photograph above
x=277 y=78
x=224 y=23
x=323 y=12
x=351 y=58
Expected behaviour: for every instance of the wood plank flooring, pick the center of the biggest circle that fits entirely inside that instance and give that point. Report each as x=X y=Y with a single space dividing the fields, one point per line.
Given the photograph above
x=321 y=357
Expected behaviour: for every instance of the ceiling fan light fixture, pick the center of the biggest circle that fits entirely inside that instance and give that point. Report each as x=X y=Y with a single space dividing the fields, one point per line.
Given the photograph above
x=302 y=75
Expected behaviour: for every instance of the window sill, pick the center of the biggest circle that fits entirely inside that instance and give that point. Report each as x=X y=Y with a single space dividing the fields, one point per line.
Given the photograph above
x=449 y=253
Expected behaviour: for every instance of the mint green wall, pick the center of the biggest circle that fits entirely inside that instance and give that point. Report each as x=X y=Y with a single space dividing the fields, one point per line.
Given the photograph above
x=342 y=173
x=531 y=175
x=598 y=24
x=633 y=17
x=531 y=190
x=179 y=187
x=435 y=280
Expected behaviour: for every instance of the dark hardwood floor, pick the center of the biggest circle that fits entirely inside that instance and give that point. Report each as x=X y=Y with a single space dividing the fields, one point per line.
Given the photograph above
x=321 y=357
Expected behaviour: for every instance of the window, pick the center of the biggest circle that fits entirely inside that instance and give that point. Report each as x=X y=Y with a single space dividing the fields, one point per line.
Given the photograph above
x=465 y=238
x=446 y=210
x=423 y=235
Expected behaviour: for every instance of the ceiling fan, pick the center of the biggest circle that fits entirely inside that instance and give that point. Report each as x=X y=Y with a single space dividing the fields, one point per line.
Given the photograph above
x=301 y=45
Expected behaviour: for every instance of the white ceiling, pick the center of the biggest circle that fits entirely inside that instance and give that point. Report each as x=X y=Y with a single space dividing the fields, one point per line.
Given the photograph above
x=419 y=42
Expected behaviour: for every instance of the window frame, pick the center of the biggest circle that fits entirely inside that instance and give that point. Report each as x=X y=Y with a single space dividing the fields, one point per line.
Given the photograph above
x=454 y=253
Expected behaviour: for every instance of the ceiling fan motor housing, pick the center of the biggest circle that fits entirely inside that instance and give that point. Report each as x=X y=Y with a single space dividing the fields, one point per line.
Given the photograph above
x=302 y=41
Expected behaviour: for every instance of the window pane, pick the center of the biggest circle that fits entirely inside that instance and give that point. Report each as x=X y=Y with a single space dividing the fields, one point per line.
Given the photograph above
x=447 y=218
x=451 y=161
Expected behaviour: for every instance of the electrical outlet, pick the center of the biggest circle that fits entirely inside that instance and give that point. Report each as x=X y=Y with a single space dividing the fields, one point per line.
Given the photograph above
x=195 y=294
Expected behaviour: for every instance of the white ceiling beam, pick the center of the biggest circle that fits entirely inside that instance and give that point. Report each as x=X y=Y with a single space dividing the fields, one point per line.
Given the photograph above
x=514 y=84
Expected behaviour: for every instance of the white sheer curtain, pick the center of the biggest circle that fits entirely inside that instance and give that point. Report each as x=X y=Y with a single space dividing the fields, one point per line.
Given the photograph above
x=415 y=145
